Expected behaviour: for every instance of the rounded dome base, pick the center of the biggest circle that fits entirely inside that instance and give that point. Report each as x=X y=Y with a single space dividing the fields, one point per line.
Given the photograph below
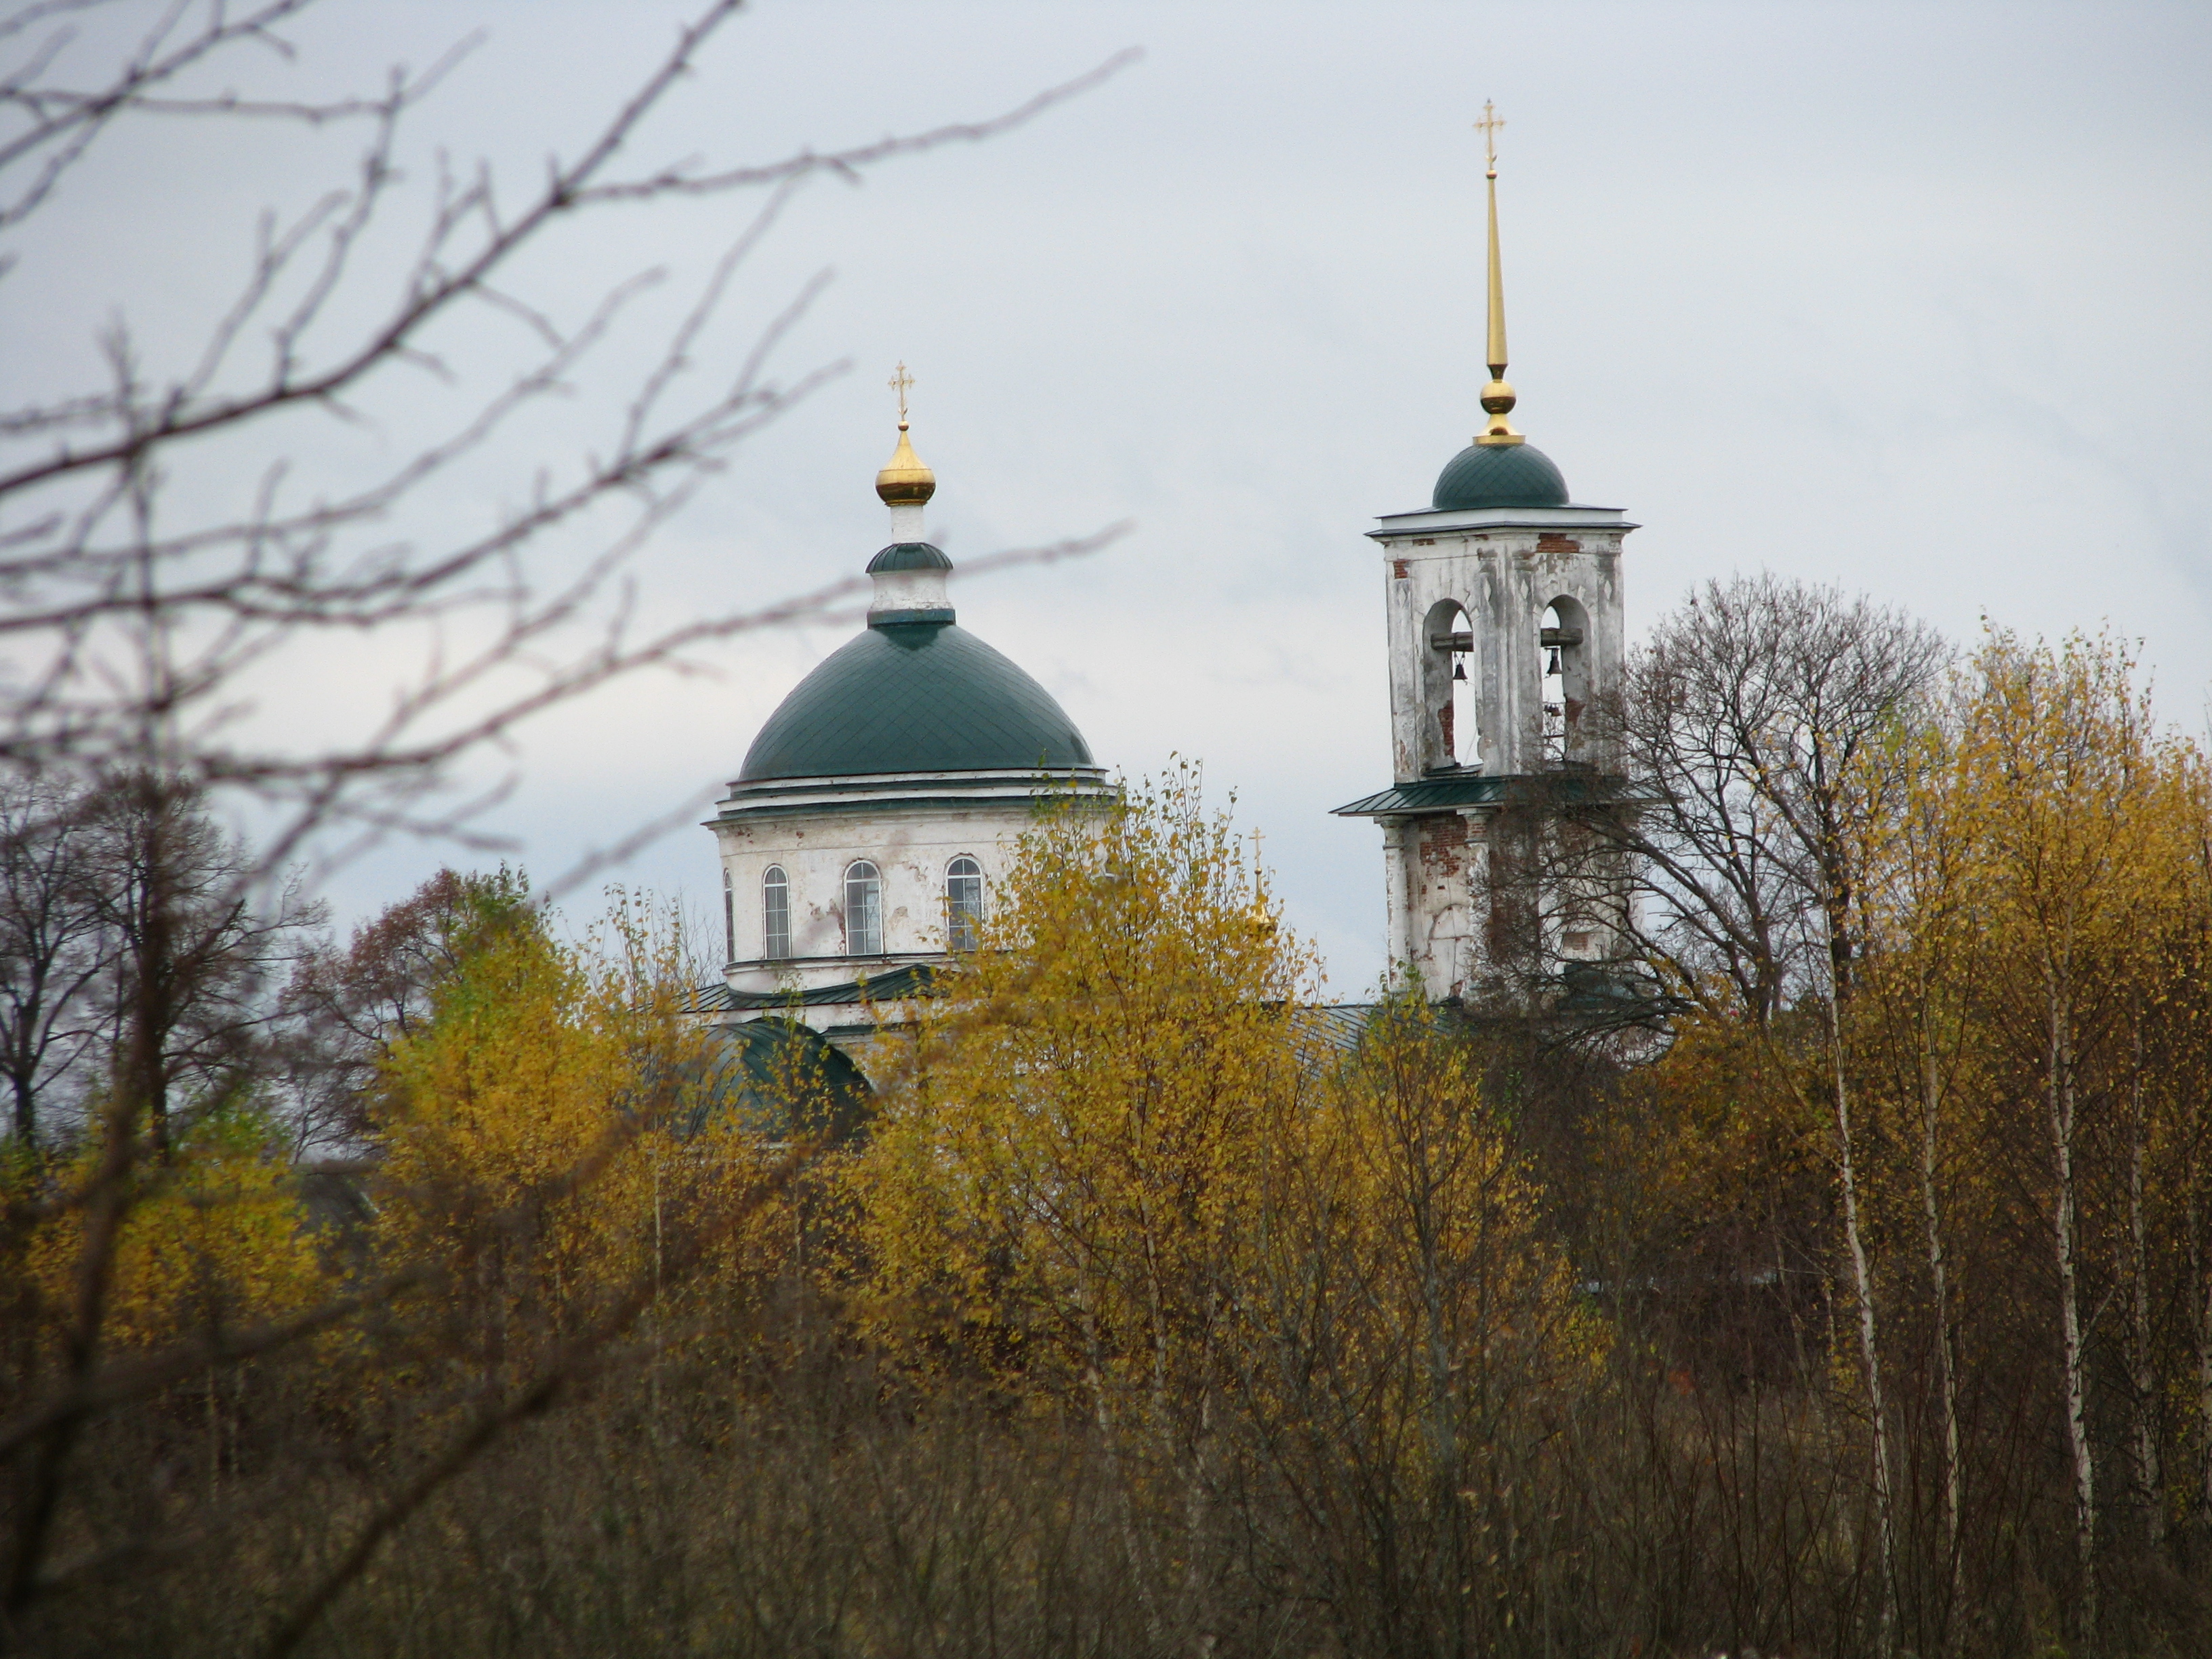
x=914 y=696
x=1499 y=474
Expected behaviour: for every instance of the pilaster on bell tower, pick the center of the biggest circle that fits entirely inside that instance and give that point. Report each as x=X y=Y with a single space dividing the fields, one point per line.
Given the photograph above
x=1504 y=617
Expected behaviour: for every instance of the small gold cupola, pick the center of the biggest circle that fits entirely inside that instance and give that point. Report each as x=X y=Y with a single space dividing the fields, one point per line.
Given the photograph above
x=905 y=480
x=1497 y=397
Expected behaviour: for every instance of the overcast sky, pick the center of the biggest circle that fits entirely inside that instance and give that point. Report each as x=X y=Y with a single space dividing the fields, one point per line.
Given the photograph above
x=1913 y=298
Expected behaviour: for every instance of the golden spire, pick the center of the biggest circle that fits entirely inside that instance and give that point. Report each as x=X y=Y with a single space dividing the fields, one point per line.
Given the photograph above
x=1497 y=398
x=904 y=480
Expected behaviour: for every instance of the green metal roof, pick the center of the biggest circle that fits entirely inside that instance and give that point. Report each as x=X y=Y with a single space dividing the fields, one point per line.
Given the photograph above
x=909 y=556
x=1436 y=794
x=1340 y=1025
x=1444 y=792
x=893 y=985
x=784 y=1082
x=914 y=696
x=1499 y=474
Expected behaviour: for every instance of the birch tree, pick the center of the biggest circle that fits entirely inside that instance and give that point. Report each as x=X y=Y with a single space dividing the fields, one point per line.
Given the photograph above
x=2059 y=768
x=1067 y=1175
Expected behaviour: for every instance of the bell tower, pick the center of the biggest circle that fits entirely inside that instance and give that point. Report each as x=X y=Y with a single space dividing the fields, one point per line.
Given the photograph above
x=1504 y=604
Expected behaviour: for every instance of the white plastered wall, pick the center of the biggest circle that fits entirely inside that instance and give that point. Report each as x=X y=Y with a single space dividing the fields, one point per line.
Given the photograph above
x=1503 y=575
x=1504 y=579
x=910 y=847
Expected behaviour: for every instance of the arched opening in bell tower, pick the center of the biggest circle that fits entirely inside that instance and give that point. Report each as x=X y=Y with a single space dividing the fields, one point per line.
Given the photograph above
x=1561 y=644
x=1451 y=680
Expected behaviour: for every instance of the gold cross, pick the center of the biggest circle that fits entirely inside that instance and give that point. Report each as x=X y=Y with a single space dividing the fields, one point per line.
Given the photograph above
x=1488 y=126
x=899 y=382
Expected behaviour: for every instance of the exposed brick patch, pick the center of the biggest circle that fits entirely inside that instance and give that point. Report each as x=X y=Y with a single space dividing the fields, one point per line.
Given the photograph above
x=1547 y=542
x=1398 y=568
x=1444 y=849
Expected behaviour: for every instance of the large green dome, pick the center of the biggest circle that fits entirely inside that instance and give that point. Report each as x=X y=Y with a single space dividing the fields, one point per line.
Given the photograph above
x=779 y=1079
x=1499 y=474
x=916 y=696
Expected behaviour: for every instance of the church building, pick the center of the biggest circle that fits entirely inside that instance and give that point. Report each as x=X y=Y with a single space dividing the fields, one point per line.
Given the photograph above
x=1504 y=634
x=875 y=810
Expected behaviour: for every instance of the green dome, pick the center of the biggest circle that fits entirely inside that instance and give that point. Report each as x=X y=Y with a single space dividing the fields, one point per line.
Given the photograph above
x=920 y=696
x=781 y=1080
x=1499 y=474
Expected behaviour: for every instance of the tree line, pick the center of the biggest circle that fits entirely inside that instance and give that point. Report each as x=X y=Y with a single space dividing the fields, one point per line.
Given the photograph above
x=1946 y=920
x=1851 y=1298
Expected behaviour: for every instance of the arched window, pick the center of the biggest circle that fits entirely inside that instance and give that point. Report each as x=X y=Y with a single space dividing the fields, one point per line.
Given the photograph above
x=775 y=913
x=964 y=902
x=1467 y=735
x=729 y=917
x=1559 y=648
x=864 y=909
x=1450 y=678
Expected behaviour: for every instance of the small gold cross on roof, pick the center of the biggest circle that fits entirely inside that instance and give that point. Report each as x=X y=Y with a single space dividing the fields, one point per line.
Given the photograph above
x=899 y=381
x=1488 y=127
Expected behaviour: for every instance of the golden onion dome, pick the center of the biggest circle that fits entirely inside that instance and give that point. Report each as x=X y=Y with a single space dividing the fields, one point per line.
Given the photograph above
x=905 y=479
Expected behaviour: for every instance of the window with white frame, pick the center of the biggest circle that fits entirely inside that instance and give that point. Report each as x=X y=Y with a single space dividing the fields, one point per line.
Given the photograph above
x=864 y=909
x=964 y=902
x=775 y=913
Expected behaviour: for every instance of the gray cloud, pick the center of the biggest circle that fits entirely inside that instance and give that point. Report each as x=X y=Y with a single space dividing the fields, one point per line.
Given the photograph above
x=1908 y=297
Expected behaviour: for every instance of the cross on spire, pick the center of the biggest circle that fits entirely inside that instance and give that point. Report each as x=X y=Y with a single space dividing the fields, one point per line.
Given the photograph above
x=1497 y=397
x=899 y=381
x=1488 y=127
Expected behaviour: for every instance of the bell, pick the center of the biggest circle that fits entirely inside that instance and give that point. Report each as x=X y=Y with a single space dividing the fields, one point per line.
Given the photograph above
x=1552 y=667
x=1459 y=671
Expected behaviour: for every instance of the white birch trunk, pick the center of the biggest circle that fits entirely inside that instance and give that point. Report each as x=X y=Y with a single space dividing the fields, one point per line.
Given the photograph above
x=2150 y=1477
x=1946 y=1354
x=1869 y=1348
x=2200 y=1298
x=2063 y=1217
x=1116 y=1472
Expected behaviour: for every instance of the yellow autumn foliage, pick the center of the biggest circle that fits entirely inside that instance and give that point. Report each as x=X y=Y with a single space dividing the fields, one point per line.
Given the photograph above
x=1403 y=1289
x=1126 y=1169
x=1070 y=1160
x=550 y=1145
x=216 y=1238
